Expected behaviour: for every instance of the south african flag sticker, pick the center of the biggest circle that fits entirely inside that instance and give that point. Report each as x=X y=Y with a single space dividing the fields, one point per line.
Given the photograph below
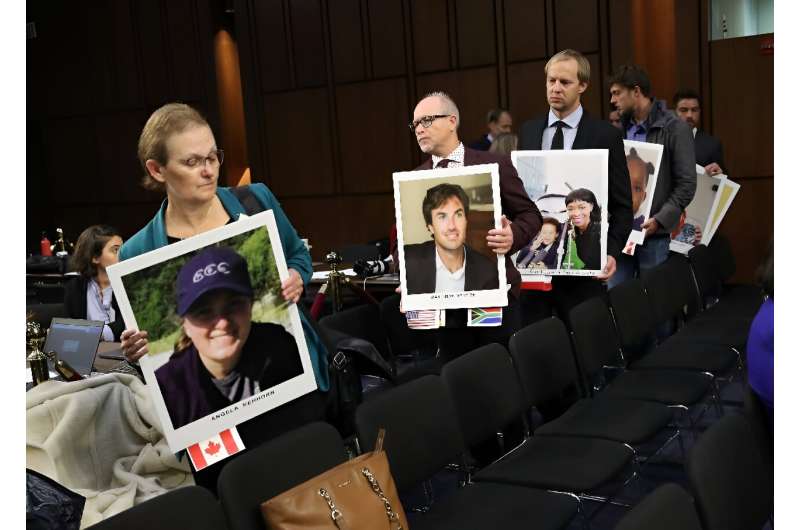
x=485 y=316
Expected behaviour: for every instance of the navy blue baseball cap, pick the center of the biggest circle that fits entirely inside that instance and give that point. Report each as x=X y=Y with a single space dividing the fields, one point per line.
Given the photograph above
x=213 y=268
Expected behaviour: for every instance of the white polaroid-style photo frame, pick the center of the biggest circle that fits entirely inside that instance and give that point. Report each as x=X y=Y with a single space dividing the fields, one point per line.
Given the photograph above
x=643 y=160
x=699 y=214
x=549 y=177
x=148 y=288
x=483 y=276
x=727 y=193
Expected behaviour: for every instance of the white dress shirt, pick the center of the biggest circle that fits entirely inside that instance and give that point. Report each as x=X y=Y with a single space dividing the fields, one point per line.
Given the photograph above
x=569 y=132
x=446 y=281
x=456 y=158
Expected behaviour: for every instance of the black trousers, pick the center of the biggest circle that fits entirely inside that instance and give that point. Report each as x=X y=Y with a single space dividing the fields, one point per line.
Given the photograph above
x=568 y=291
x=456 y=339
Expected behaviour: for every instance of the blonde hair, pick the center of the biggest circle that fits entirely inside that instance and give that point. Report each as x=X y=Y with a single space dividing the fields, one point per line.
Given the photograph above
x=172 y=118
x=584 y=68
x=183 y=341
x=504 y=144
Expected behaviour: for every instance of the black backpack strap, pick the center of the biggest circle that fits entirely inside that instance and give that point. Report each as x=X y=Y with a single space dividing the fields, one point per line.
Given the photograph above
x=248 y=199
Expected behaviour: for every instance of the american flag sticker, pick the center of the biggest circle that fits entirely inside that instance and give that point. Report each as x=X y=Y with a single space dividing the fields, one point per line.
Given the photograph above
x=218 y=447
x=424 y=318
x=485 y=316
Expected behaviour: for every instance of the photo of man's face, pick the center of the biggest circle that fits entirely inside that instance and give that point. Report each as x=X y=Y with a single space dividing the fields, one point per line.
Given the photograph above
x=548 y=233
x=449 y=224
x=638 y=172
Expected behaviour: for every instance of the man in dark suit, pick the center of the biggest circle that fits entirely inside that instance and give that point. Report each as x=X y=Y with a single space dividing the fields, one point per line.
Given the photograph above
x=568 y=126
x=435 y=126
x=447 y=264
x=498 y=121
x=707 y=148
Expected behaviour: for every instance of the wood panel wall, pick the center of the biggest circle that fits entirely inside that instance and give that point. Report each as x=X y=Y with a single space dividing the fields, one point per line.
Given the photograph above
x=330 y=86
x=742 y=116
x=95 y=72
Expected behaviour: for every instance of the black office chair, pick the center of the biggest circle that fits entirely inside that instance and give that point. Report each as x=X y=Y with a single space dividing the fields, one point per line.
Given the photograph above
x=422 y=437
x=756 y=413
x=487 y=395
x=363 y=322
x=711 y=267
x=667 y=508
x=711 y=347
x=543 y=358
x=274 y=467
x=188 y=507
x=419 y=344
x=747 y=295
x=729 y=478
x=598 y=348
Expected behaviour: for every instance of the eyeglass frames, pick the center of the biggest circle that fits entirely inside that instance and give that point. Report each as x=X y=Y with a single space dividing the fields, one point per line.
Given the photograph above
x=215 y=159
x=426 y=121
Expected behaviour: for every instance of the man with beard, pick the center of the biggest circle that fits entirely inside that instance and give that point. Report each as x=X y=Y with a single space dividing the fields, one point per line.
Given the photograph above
x=646 y=119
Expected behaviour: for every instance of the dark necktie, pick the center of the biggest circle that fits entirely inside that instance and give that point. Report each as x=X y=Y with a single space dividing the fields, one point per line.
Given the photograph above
x=558 y=138
x=443 y=162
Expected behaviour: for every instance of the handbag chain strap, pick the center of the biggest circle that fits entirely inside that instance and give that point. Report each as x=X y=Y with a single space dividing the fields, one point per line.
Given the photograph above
x=390 y=513
x=336 y=515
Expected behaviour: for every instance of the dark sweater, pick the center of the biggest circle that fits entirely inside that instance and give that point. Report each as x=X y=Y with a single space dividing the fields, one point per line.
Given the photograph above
x=189 y=391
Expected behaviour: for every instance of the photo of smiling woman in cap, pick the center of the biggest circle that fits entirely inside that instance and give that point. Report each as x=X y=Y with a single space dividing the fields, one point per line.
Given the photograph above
x=221 y=357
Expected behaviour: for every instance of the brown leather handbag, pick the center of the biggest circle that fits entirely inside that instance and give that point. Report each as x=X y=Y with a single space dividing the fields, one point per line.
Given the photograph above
x=357 y=495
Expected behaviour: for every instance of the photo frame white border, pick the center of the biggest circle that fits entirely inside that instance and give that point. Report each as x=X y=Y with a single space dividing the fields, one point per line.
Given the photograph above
x=637 y=236
x=248 y=408
x=723 y=208
x=684 y=248
x=529 y=276
x=464 y=299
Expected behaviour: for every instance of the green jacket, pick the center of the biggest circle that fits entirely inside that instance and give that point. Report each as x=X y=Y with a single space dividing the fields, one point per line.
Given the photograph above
x=154 y=235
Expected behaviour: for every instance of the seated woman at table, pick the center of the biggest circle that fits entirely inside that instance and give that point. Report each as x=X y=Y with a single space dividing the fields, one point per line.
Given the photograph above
x=221 y=357
x=89 y=296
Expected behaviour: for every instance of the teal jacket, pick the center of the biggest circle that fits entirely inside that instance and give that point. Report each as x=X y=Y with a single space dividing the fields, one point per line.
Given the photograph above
x=154 y=235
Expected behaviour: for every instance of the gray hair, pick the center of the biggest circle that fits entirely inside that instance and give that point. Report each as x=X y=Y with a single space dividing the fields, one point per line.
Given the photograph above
x=448 y=105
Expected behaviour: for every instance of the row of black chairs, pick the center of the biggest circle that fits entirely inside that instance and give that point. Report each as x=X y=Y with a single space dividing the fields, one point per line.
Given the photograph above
x=727 y=472
x=632 y=384
x=729 y=476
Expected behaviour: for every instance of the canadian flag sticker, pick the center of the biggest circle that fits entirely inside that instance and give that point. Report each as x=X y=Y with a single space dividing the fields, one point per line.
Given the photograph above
x=216 y=448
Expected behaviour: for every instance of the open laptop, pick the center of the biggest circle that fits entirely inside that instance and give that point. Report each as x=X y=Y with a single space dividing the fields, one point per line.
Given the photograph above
x=75 y=341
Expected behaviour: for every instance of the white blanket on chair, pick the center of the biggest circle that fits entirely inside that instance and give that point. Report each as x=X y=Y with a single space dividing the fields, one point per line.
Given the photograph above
x=101 y=438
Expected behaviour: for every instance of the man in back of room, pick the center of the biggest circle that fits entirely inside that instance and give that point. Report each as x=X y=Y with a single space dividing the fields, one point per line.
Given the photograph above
x=707 y=148
x=646 y=119
x=498 y=121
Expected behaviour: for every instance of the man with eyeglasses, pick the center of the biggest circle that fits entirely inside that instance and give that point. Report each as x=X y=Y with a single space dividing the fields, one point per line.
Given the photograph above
x=568 y=126
x=435 y=127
